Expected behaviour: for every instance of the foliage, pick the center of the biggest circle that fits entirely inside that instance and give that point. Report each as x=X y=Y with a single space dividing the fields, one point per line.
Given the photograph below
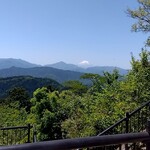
x=47 y=115
x=142 y=15
x=21 y=96
x=110 y=78
x=75 y=86
x=140 y=75
x=109 y=99
x=11 y=116
x=96 y=79
x=30 y=84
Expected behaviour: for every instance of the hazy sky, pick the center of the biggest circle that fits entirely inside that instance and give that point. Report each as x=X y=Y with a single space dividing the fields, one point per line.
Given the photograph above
x=48 y=31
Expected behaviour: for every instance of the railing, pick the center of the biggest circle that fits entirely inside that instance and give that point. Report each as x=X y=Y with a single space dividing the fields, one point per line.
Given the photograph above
x=89 y=142
x=16 y=135
x=132 y=122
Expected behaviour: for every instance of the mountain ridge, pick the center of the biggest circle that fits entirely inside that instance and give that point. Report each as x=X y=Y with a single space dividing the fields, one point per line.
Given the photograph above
x=59 y=71
x=94 y=69
x=10 y=62
x=41 y=72
x=65 y=66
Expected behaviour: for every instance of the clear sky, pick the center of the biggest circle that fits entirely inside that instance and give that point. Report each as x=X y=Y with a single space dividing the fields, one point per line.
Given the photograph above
x=48 y=31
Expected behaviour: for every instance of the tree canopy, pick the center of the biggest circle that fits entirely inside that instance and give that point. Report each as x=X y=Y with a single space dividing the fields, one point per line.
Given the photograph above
x=142 y=15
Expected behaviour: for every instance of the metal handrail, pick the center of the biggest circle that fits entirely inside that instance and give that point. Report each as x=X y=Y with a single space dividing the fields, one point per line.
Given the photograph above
x=95 y=141
x=128 y=115
x=87 y=142
x=138 y=109
x=16 y=127
x=13 y=130
x=111 y=127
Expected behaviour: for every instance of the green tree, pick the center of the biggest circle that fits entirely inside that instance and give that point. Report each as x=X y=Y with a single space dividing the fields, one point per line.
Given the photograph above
x=20 y=95
x=10 y=116
x=140 y=76
x=111 y=77
x=47 y=114
x=142 y=15
x=96 y=80
x=75 y=86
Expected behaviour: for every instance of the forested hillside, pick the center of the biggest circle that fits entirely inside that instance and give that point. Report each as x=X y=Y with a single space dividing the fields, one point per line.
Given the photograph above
x=29 y=83
x=42 y=72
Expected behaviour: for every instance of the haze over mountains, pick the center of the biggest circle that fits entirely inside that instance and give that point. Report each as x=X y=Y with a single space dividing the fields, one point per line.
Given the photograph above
x=60 y=71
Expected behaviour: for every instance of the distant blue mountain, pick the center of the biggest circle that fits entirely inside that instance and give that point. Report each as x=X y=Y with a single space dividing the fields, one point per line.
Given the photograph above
x=96 y=69
x=11 y=62
x=64 y=66
x=101 y=69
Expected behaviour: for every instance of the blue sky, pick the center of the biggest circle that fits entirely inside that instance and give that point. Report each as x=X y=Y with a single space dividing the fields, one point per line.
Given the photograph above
x=48 y=31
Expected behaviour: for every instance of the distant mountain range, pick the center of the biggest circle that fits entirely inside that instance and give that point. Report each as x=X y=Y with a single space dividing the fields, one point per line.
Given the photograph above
x=64 y=66
x=95 y=69
x=60 y=71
